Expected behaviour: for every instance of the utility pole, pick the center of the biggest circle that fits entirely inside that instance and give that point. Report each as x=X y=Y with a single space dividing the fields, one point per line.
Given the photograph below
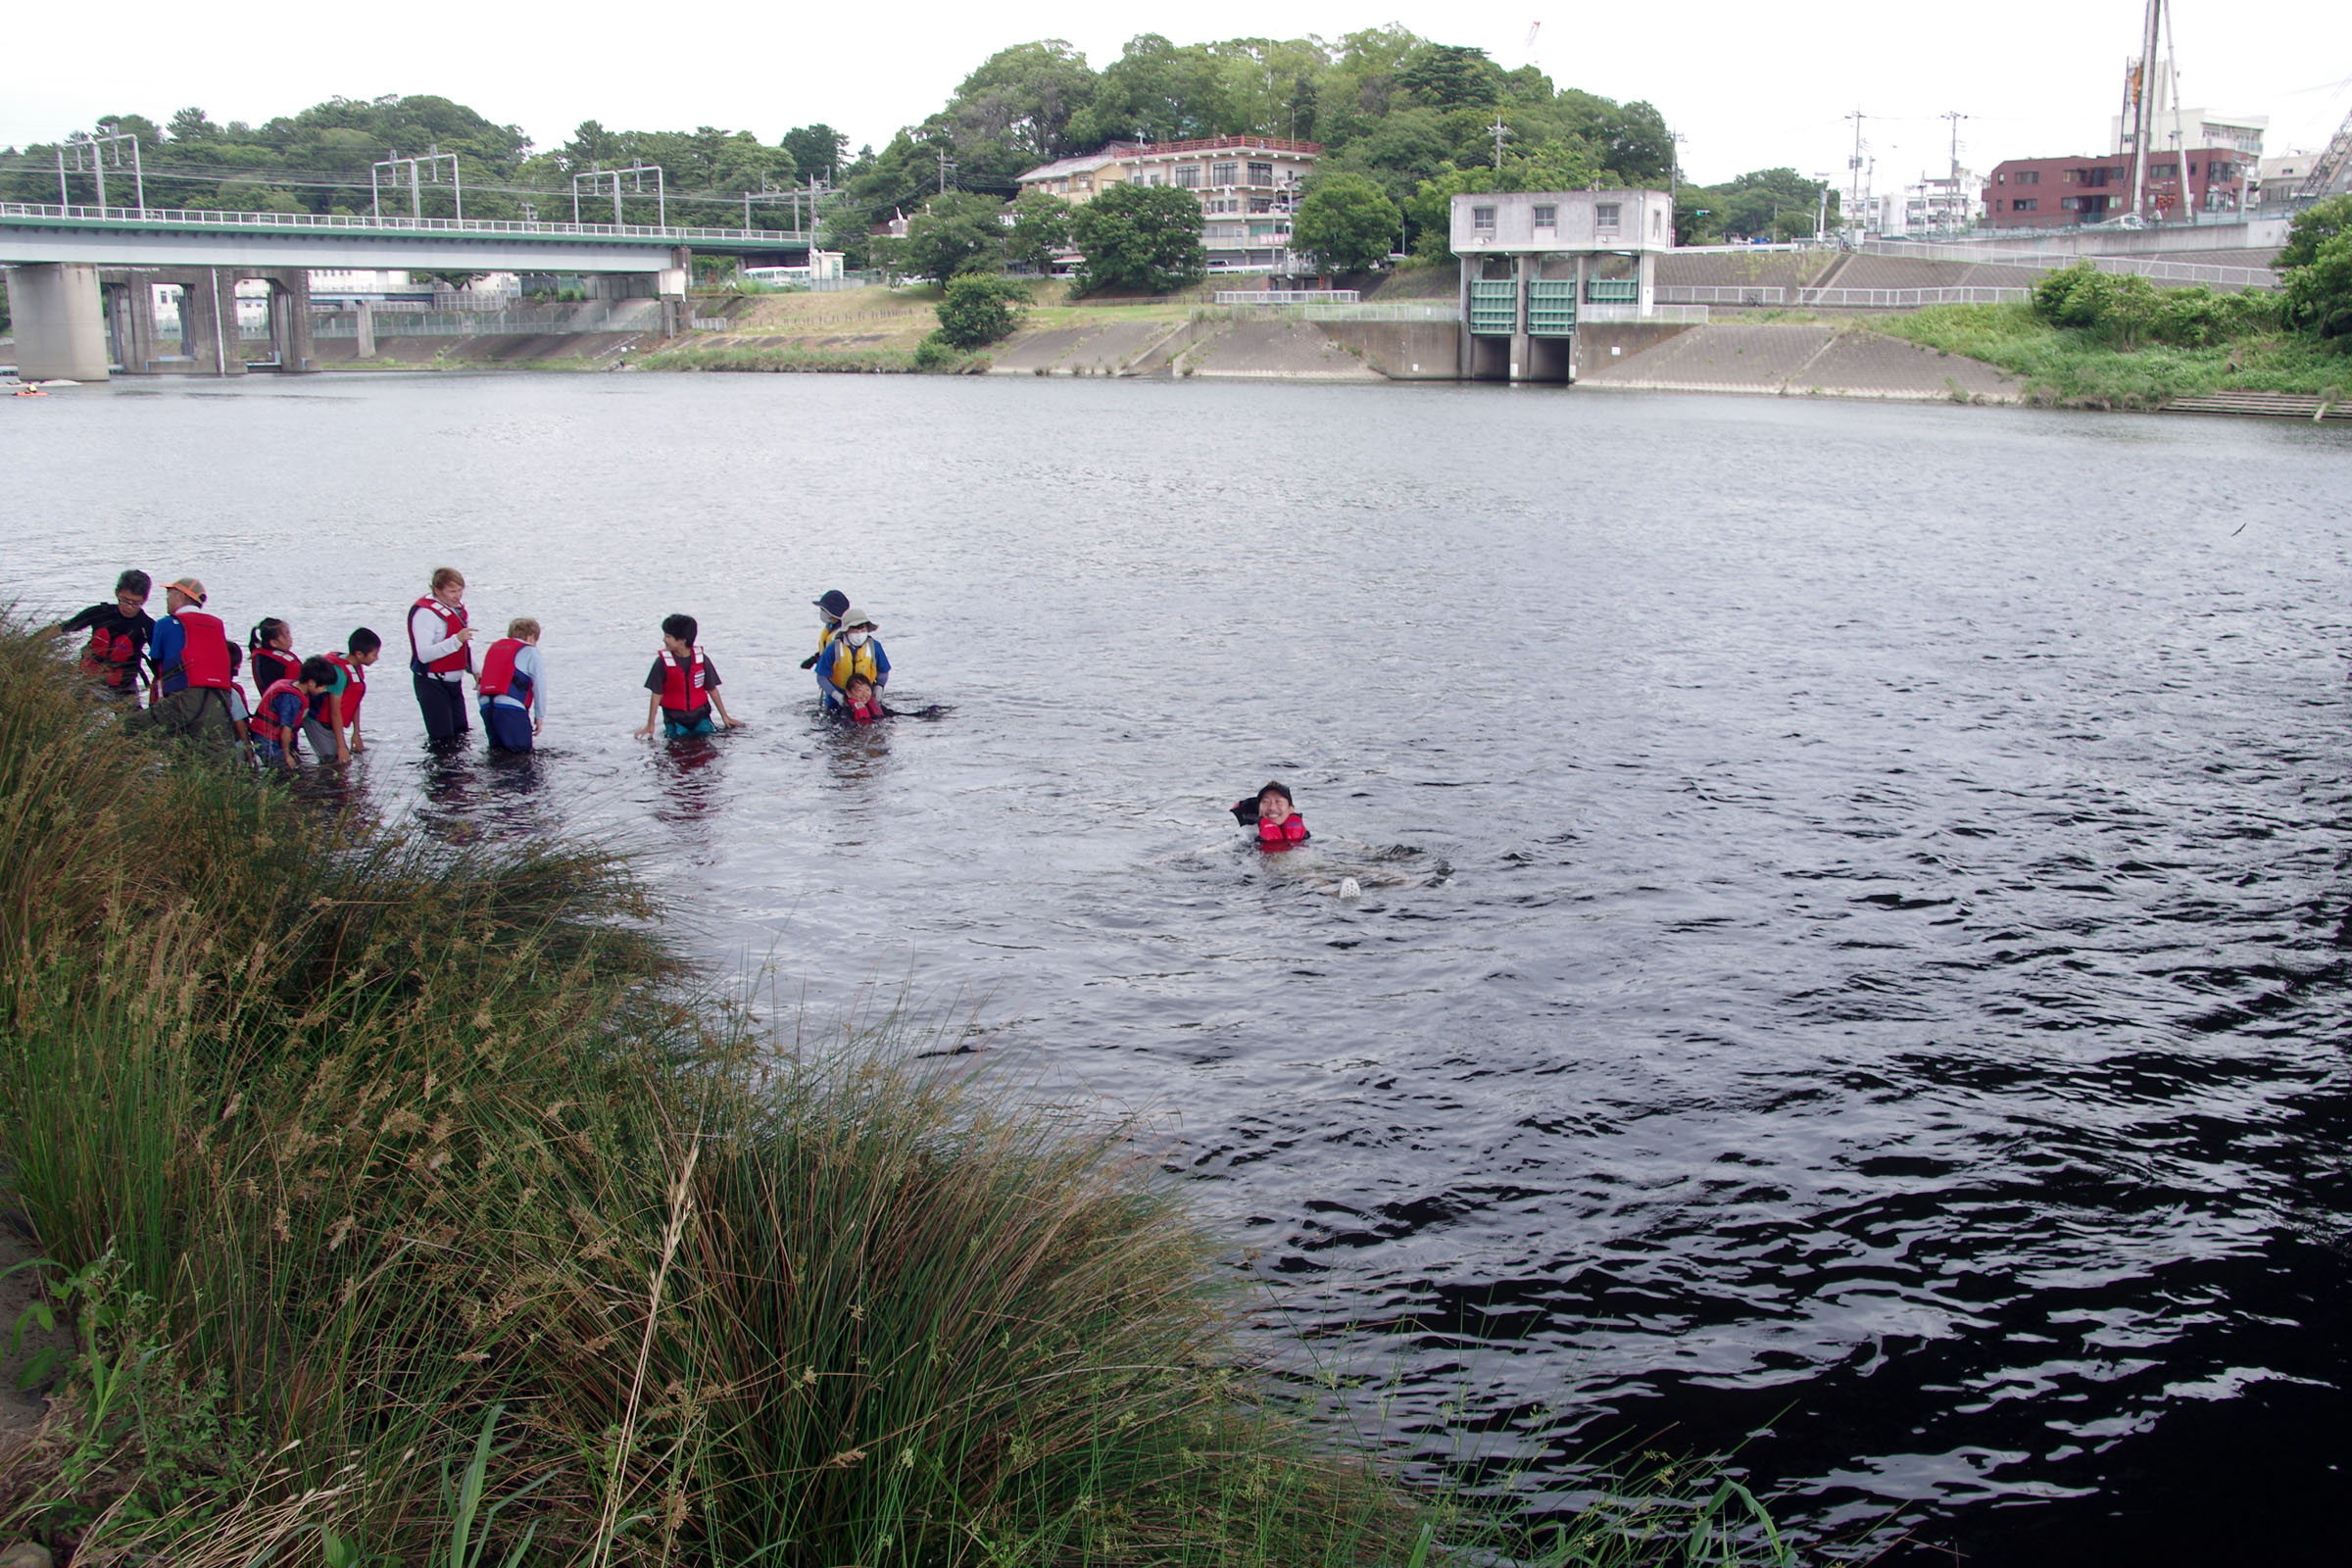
x=1853 y=169
x=944 y=168
x=2143 y=113
x=422 y=171
x=1955 y=206
x=1500 y=130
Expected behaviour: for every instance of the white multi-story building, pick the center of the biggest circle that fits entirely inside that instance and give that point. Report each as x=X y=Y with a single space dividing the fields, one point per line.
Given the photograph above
x=1248 y=187
x=1940 y=205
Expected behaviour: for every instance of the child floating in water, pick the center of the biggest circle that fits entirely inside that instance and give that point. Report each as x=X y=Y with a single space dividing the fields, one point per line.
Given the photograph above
x=1278 y=822
x=862 y=705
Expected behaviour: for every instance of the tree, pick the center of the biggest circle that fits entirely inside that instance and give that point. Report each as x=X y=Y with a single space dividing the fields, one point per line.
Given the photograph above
x=979 y=309
x=1040 y=228
x=955 y=232
x=1449 y=75
x=1347 y=223
x=2313 y=228
x=1024 y=98
x=816 y=150
x=2319 y=292
x=1140 y=236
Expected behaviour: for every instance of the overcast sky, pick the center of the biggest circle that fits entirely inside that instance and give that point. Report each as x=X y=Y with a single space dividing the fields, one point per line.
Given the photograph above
x=1748 y=86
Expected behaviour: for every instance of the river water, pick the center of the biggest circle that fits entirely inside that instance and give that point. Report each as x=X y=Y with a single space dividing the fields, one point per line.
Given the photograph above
x=1851 y=958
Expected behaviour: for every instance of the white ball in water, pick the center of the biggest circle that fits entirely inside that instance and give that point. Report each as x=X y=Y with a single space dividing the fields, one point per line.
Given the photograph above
x=1348 y=887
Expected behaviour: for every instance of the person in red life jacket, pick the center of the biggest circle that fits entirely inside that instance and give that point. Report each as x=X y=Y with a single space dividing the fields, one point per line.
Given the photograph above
x=441 y=655
x=685 y=686
x=1278 y=822
x=270 y=654
x=512 y=687
x=338 y=708
x=193 y=691
x=276 y=723
x=862 y=705
x=120 y=634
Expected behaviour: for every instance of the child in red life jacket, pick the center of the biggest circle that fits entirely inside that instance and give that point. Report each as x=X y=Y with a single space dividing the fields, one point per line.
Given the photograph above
x=1278 y=822
x=277 y=717
x=120 y=635
x=859 y=703
x=684 y=684
x=338 y=710
x=512 y=687
x=271 y=644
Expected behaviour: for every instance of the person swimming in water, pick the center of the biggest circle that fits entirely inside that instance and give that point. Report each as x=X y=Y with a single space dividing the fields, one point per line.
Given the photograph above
x=1275 y=817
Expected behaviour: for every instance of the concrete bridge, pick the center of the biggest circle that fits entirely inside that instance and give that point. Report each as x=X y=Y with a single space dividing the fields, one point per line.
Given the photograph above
x=81 y=279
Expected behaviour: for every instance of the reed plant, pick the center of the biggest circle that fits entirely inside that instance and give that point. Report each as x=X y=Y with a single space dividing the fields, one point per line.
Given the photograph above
x=414 y=1203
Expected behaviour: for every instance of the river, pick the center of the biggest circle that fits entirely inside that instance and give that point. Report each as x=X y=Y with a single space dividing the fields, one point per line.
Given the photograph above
x=1851 y=958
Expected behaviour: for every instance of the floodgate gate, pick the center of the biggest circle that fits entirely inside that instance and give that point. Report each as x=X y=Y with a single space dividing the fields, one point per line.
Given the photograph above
x=1536 y=265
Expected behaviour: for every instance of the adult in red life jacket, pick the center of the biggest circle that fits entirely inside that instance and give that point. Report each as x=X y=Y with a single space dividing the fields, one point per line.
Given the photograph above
x=441 y=655
x=1278 y=822
x=269 y=649
x=121 y=633
x=337 y=710
x=512 y=687
x=194 y=691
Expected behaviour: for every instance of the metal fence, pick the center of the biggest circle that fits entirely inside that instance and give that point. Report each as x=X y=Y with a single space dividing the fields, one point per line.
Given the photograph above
x=2054 y=261
x=1722 y=294
x=622 y=316
x=1289 y=296
x=366 y=223
x=1911 y=298
x=1364 y=311
x=1671 y=315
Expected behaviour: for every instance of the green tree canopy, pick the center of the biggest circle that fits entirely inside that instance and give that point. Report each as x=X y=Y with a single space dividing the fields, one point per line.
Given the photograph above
x=2313 y=228
x=955 y=232
x=1040 y=228
x=2319 y=292
x=1140 y=236
x=1347 y=223
x=979 y=310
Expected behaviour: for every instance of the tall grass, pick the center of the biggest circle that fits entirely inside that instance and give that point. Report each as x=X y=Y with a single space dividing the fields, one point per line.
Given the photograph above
x=2077 y=367
x=415 y=1207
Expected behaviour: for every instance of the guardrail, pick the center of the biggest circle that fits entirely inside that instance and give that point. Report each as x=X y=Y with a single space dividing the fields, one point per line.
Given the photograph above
x=1369 y=311
x=1911 y=298
x=364 y=223
x=2058 y=261
x=622 y=316
x=1673 y=315
x=1289 y=296
x=1722 y=294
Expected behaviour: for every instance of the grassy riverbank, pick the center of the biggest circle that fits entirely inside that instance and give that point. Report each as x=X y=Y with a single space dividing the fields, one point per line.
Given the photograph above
x=405 y=1197
x=2075 y=368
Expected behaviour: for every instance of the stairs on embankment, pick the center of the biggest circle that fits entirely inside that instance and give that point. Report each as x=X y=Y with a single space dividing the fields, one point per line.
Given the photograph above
x=2269 y=405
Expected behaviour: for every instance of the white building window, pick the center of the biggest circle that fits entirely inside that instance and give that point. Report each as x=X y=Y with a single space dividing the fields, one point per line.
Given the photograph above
x=1188 y=175
x=1482 y=220
x=1225 y=174
x=1604 y=215
x=1261 y=174
x=1547 y=215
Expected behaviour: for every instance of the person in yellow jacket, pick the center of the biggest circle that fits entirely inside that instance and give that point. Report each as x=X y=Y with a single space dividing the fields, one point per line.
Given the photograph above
x=856 y=651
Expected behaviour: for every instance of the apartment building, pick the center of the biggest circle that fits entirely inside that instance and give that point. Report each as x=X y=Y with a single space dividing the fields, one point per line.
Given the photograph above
x=1248 y=187
x=2066 y=192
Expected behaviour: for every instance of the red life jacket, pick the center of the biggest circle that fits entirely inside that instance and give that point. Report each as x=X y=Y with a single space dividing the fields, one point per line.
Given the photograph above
x=204 y=655
x=682 y=684
x=264 y=724
x=1281 y=836
x=268 y=666
x=453 y=621
x=498 y=678
x=112 y=656
x=355 y=688
x=865 y=713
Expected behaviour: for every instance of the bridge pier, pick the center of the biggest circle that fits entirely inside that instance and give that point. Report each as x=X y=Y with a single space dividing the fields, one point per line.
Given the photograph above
x=209 y=340
x=61 y=333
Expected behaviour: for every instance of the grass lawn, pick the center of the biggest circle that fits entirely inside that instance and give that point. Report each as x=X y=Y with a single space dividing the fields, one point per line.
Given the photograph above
x=2067 y=366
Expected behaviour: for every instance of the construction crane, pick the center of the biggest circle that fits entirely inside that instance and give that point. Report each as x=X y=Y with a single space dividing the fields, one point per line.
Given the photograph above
x=2330 y=164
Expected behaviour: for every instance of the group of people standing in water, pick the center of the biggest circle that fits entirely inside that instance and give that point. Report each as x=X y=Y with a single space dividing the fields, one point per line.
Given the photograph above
x=185 y=666
x=179 y=674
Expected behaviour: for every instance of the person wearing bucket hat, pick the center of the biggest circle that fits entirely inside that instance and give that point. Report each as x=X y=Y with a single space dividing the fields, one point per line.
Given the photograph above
x=831 y=606
x=857 y=651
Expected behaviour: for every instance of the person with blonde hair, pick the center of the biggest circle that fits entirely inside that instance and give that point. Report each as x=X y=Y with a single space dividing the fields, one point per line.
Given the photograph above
x=441 y=655
x=512 y=687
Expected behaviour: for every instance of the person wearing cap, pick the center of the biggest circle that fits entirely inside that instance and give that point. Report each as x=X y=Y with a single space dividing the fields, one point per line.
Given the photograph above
x=193 y=691
x=857 y=651
x=831 y=606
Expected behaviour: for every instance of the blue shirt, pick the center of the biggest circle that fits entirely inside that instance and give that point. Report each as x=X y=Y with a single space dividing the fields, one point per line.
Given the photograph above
x=170 y=641
x=839 y=648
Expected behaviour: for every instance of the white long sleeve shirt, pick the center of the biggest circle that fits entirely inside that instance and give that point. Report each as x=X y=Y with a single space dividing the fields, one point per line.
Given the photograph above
x=426 y=631
x=528 y=663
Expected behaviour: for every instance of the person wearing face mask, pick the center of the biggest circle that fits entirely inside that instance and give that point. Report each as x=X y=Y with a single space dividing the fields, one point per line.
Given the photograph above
x=855 y=652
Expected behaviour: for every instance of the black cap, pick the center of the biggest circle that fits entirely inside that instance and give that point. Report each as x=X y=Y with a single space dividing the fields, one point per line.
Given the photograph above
x=834 y=603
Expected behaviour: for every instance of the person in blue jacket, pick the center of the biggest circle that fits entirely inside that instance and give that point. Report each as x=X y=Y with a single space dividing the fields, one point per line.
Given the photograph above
x=857 y=651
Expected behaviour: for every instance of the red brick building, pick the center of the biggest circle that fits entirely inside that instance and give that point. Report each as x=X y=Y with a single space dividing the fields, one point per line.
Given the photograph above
x=2061 y=192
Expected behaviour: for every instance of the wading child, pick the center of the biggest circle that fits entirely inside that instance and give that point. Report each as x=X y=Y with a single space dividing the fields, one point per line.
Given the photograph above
x=339 y=709
x=1278 y=822
x=829 y=610
x=272 y=647
x=684 y=684
x=441 y=655
x=512 y=687
x=192 y=691
x=276 y=722
x=121 y=633
x=855 y=652
x=862 y=705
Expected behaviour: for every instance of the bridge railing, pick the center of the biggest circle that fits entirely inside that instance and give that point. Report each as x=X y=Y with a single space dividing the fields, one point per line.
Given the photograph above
x=370 y=224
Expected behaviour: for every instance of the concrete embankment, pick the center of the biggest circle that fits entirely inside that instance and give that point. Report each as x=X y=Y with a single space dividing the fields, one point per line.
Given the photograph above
x=1783 y=358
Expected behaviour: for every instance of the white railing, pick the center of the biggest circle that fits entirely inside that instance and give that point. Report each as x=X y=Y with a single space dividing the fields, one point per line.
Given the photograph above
x=2055 y=261
x=620 y=316
x=1287 y=296
x=163 y=218
x=1681 y=315
x=1911 y=298
x=1364 y=311
x=1722 y=294
x=709 y=323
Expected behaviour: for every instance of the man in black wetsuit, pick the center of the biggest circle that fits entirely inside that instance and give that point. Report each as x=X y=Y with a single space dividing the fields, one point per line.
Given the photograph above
x=121 y=633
